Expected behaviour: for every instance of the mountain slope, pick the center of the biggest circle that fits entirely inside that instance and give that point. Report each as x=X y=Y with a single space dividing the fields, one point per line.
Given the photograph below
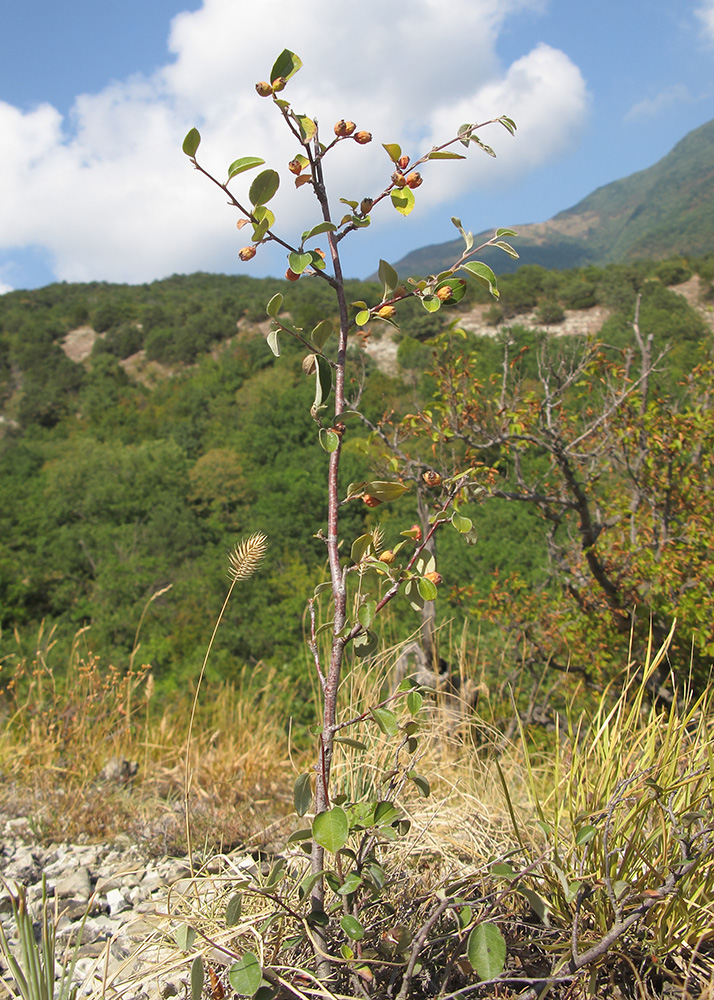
x=665 y=210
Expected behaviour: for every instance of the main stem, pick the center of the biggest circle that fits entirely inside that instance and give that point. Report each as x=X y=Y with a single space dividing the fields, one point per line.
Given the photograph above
x=339 y=593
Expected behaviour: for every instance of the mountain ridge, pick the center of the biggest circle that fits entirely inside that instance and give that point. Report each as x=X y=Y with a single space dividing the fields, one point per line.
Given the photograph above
x=662 y=211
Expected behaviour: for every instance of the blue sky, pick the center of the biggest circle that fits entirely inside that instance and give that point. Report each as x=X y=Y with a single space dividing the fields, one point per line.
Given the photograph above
x=95 y=101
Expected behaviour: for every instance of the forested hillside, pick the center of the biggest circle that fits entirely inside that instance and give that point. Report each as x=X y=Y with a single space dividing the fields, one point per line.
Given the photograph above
x=132 y=465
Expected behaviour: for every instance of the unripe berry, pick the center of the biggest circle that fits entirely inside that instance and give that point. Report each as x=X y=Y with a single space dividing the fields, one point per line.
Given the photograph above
x=414 y=179
x=264 y=89
x=366 y=206
x=247 y=253
x=431 y=478
x=343 y=128
x=279 y=84
x=386 y=312
x=398 y=179
x=291 y=275
x=403 y=162
x=444 y=293
x=436 y=578
x=295 y=166
x=387 y=557
x=363 y=137
x=371 y=501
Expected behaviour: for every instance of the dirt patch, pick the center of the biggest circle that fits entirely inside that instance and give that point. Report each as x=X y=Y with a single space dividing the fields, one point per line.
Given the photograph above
x=78 y=344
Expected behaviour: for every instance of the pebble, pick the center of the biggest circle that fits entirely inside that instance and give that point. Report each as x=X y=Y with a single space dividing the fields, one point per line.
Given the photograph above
x=123 y=898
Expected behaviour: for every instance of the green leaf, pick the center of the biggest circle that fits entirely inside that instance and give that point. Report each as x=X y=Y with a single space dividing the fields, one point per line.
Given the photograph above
x=244 y=163
x=384 y=491
x=431 y=303
x=185 y=937
x=323 y=380
x=302 y=794
x=366 y=613
x=422 y=784
x=388 y=276
x=191 y=142
x=413 y=596
x=352 y=927
x=508 y=124
x=394 y=151
x=299 y=261
x=365 y=643
x=246 y=975
x=299 y=836
x=322 y=333
x=539 y=905
x=585 y=835
x=507 y=248
x=329 y=440
x=350 y=884
x=234 y=908
x=504 y=870
x=506 y=232
x=486 y=950
x=403 y=200
x=444 y=154
x=274 y=343
x=386 y=720
x=427 y=589
x=482 y=145
x=362 y=317
x=349 y=742
x=197 y=978
x=307 y=127
x=483 y=273
x=361 y=547
x=386 y=812
x=273 y=307
x=414 y=702
x=287 y=64
x=331 y=829
x=321 y=227
x=461 y=523
x=264 y=187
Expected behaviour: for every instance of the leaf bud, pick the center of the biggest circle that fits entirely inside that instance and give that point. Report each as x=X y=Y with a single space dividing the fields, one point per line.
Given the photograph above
x=371 y=501
x=431 y=478
x=279 y=83
x=386 y=312
x=403 y=162
x=363 y=138
x=264 y=89
x=366 y=206
x=398 y=179
x=444 y=293
x=291 y=275
x=343 y=128
x=295 y=166
x=309 y=364
x=247 y=253
x=414 y=179
x=436 y=578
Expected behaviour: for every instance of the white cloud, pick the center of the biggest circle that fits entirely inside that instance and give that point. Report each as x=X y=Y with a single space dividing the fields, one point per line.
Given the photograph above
x=108 y=194
x=650 y=107
x=4 y=289
x=705 y=13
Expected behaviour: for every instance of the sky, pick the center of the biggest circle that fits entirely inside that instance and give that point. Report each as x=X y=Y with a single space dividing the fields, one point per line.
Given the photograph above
x=95 y=101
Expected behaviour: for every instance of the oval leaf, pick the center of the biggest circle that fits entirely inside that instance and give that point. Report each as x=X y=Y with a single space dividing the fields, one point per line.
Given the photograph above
x=386 y=720
x=384 y=491
x=322 y=333
x=264 y=187
x=461 y=523
x=246 y=975
x=427 y=589
x=352 y=927
x=197 y=978
x=329 y=440
x=486 y=949
x=444 y=154
x=323 y=380
x=184 y=937
x=273 y=307
x=365 y=643
x=234 y=908
x=321 y=227
x=244 y=163
x=366 y=613
x=331 y=829
x=302 y=794
x=403 y=200
x=287 y=64
x=299 y=261
x=274 y=343
x=483 y=273
x=191 y=142
x=362 y=317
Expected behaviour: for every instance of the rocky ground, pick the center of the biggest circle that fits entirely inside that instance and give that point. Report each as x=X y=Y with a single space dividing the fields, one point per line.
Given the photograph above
x=133 y=902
